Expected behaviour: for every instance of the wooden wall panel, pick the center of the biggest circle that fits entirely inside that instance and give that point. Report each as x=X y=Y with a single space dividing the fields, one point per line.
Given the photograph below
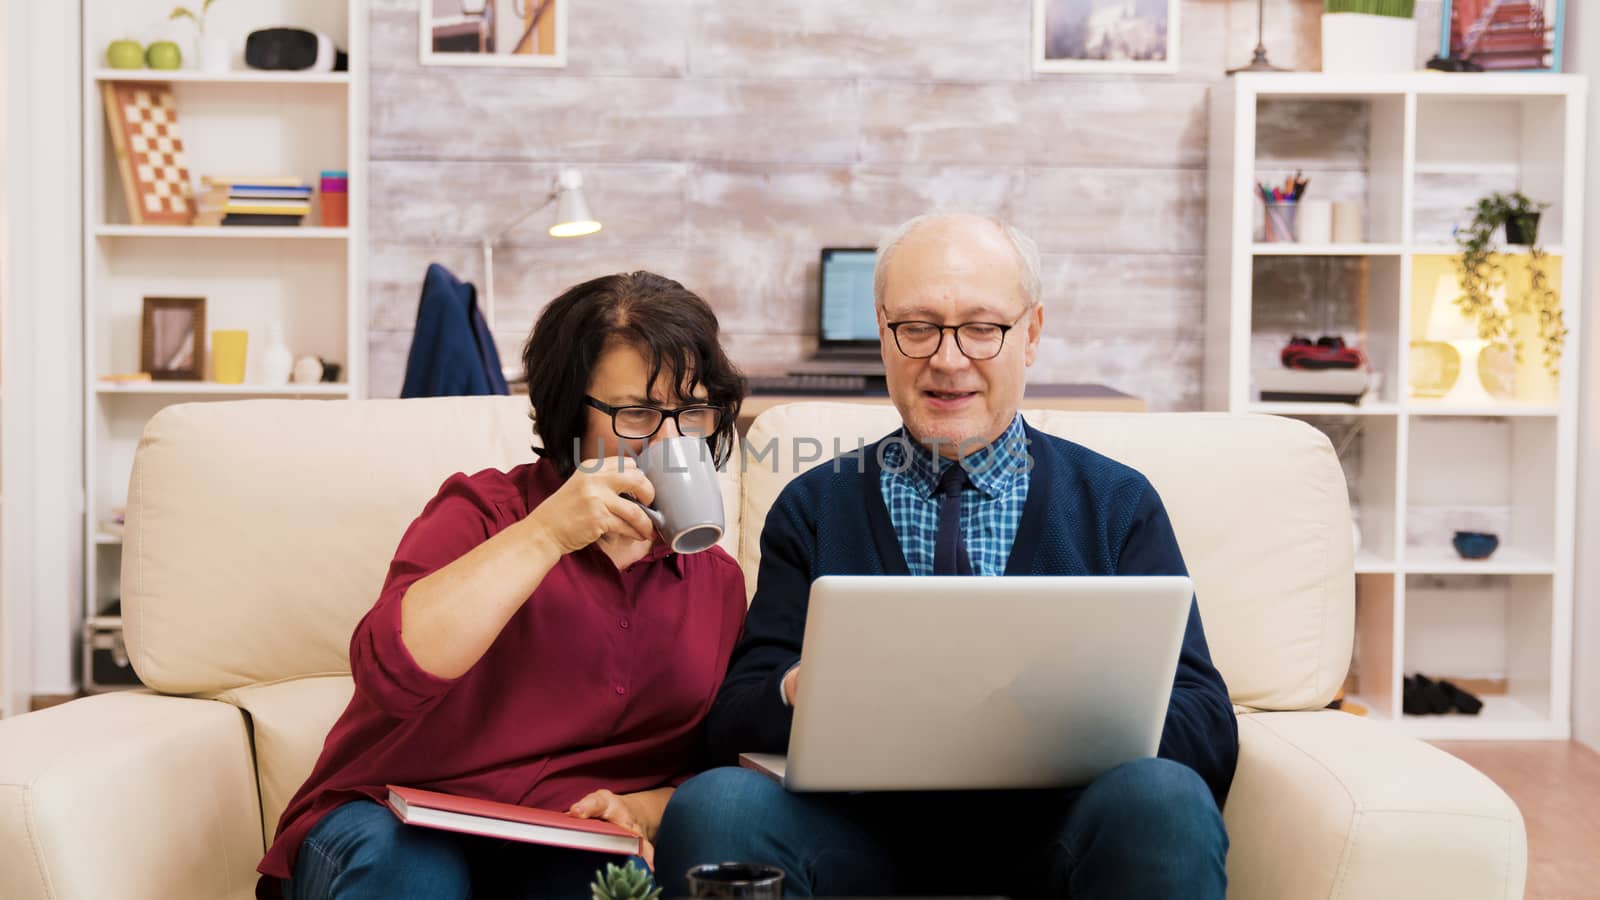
x=724 y=143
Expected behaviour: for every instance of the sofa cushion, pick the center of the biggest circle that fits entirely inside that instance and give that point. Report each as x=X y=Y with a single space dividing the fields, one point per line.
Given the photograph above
x=1326 y=804
x=1258 y=503
x=289 y=721
x=127 y=795
x=260 y=531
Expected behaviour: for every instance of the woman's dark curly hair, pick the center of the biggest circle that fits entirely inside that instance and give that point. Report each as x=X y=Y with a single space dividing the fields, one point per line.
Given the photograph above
x=672 y=328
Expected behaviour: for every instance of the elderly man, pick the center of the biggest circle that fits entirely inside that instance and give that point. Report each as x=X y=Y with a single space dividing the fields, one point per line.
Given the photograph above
x=968 y=488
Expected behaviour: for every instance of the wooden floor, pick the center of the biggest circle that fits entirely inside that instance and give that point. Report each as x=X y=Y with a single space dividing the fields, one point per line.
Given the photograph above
x=1557 y=786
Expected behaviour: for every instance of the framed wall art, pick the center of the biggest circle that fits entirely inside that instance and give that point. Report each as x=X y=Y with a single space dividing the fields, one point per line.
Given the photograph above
x=1504 y=37
x=1105 y=36
x=493 y=32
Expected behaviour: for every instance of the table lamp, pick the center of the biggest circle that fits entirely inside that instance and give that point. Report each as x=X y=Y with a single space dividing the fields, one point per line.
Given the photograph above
x=1259 y=62
x=573 y=219
x=1447 y=325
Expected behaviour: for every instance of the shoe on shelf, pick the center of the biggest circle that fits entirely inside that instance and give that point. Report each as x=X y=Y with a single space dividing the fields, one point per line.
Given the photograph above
x=1328 y=352
x=1422 y=696
x=1460 y=700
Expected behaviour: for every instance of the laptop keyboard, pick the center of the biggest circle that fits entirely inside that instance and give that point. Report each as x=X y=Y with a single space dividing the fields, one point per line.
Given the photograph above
x=807 y=383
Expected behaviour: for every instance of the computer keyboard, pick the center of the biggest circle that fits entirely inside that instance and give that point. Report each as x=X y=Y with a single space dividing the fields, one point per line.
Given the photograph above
x=807 y=383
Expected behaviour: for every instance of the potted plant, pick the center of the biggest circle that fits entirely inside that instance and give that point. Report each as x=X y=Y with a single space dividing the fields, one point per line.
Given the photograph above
x=210 y=49
x=1482 y=274
x=624 y=882
x=1369 y=36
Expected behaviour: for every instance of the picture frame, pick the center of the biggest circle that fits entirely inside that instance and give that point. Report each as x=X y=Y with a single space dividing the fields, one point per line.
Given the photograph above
x=492 y=32
x=1534 y=48
x=1137 y=36
x=172 y=338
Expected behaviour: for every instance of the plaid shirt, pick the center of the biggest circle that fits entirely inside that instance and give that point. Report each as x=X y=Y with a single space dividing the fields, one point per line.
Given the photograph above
x=990 y=510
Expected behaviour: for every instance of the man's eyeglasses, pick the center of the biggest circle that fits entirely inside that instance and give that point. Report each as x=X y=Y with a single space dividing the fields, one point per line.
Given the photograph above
x=975 y=340
x=640 y=422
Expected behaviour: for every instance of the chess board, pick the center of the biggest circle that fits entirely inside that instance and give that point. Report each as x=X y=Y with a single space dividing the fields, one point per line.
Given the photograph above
x=144 y=131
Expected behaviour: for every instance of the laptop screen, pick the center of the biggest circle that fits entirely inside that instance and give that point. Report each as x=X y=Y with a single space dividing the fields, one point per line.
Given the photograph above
x=848 y=316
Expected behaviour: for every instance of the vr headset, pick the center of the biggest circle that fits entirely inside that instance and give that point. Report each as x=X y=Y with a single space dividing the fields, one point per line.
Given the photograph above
x=294 y=49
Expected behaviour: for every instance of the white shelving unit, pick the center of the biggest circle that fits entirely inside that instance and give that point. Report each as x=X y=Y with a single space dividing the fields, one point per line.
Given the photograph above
x=308 y=280
x=246 y=76
x=202 y=389
x=9 y=658
x=1415 y=151
x=303 y=233
x=1327 y=249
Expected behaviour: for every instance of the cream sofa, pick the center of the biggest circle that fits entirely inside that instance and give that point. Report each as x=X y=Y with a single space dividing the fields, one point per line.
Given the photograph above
x=259 y=531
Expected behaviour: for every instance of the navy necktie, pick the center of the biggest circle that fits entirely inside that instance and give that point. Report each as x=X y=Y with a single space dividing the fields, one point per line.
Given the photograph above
x=949 y=552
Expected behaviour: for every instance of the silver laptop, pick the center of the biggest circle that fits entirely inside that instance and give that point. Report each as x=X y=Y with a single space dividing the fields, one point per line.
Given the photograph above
x=964 y=683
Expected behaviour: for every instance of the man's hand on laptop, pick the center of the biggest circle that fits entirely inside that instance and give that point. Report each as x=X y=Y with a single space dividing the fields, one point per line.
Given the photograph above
x=791 y=684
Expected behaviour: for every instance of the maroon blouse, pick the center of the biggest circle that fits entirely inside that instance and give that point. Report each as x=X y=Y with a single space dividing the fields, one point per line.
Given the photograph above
x=600 y=680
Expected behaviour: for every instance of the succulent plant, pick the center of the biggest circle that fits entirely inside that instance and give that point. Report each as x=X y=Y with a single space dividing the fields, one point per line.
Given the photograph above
x=624 y=882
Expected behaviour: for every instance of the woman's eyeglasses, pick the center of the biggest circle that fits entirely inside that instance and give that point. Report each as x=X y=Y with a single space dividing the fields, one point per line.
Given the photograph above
x=640 y=422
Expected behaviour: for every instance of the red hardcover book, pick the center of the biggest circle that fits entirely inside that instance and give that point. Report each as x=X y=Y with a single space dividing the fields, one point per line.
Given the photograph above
x=430 y=809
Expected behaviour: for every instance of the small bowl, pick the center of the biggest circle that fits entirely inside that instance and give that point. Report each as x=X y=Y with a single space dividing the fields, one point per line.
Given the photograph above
x=1475 y=544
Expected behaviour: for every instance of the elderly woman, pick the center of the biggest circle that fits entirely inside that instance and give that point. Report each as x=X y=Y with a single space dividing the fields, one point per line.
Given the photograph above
x=535 y=642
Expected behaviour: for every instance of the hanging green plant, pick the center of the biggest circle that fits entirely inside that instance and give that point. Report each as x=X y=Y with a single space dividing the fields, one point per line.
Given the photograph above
x=1481 y=272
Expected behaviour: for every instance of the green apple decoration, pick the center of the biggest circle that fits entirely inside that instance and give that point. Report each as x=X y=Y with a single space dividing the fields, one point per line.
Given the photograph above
x=164 y=55
x=125 y=54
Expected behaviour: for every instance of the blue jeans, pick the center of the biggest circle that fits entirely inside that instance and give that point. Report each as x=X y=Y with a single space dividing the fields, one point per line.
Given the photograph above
x=1148 y=829
x=360 y=851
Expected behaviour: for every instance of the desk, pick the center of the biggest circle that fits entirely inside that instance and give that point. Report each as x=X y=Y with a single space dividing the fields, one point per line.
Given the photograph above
x=1078 y=397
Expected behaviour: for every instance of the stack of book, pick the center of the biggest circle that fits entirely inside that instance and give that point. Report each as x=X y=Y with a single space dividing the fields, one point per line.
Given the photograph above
x=253 y=201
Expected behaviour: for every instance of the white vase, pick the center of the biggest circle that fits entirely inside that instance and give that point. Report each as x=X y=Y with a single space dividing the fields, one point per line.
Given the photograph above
x=277 y=362
x=214 y=53
x=1354 y=43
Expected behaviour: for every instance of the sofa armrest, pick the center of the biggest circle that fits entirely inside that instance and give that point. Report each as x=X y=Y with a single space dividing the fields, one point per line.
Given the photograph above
x=1327 y=804
x=130 y=795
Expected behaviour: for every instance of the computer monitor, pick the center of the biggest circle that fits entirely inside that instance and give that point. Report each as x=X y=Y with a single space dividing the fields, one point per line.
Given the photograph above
x=848 y=318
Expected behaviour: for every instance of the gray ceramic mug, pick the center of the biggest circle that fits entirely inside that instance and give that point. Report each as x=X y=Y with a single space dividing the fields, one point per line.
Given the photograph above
x=688 y=504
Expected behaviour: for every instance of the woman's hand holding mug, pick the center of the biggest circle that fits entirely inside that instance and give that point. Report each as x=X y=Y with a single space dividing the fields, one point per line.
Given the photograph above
x=591 y=505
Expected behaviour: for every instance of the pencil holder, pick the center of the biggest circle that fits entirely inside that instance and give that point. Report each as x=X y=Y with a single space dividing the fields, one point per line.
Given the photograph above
x=335 y=188
x=1280 y=222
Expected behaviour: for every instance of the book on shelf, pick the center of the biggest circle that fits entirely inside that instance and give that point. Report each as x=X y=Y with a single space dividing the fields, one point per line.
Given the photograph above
x=218 y=219
x=258 y=189
x=223 y=198
x=258 y=181
x=489 y=818
x=272 y=200
x=260 y=207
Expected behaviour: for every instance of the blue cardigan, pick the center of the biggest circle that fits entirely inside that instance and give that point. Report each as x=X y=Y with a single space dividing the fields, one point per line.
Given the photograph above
x=452 y=353
x=1085 y=514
